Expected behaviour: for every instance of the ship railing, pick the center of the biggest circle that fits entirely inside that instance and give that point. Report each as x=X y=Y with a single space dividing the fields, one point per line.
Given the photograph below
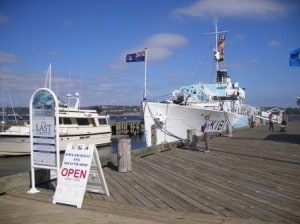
x=246 y=109
x=163 y=98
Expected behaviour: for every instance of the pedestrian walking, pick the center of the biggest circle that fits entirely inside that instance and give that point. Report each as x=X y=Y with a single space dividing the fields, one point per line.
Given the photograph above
x=206 y=131
x=271 y=125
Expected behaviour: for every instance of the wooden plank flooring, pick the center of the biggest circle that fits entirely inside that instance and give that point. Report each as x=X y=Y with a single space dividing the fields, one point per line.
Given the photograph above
x=252 y=177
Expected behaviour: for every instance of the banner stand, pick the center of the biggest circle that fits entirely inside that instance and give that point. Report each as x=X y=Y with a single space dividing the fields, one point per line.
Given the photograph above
x=44 y=133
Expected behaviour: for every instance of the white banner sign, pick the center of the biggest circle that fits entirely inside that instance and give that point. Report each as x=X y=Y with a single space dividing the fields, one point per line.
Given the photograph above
x=74 y=175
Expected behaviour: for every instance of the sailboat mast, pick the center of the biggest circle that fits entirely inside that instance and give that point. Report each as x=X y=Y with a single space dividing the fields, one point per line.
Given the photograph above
x=48 y=80
x=3 y=83
x=2 y=96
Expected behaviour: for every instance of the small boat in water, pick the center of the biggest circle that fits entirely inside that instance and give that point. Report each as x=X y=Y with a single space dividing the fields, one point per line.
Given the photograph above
x=76 y=126
x=224 y=100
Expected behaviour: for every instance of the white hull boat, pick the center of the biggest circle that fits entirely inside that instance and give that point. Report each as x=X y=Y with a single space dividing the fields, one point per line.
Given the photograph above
x=168 y=122
x=76 y=126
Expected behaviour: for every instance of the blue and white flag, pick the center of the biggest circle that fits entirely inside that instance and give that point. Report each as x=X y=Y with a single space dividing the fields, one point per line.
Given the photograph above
x=136 y=57
x=295 y=57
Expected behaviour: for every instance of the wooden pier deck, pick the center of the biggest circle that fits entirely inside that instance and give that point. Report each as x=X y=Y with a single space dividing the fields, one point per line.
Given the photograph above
x=253 y=177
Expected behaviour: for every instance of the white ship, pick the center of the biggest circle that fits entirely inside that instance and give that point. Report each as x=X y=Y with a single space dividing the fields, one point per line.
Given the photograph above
x=75 y=125
x=169 y=120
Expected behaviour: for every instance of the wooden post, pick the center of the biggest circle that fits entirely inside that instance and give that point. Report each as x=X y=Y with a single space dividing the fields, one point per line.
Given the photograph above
x=153 y=135
x=124 y=155
x=191 y=138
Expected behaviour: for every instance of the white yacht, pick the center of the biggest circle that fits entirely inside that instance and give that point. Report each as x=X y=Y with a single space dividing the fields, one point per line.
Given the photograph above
x=76 y=125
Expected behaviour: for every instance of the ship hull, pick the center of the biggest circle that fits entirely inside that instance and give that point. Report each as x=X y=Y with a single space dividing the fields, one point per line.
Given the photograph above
x=170 y=122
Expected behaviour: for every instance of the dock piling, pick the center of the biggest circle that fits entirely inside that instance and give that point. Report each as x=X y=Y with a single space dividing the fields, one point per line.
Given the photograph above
x=124 y=155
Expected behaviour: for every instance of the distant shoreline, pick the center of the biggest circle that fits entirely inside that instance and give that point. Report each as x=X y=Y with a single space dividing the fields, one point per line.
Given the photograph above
x=127 y=114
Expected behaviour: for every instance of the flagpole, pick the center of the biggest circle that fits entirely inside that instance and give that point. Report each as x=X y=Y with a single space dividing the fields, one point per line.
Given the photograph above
x=145 y=84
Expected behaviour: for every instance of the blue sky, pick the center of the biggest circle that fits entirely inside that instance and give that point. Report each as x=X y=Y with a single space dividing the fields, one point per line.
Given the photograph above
x=87 y=42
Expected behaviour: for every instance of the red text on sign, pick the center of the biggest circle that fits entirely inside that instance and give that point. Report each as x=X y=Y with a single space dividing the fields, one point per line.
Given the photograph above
x=76 y=173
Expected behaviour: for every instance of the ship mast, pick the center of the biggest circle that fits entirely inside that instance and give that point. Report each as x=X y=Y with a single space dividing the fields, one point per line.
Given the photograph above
x=217 y=53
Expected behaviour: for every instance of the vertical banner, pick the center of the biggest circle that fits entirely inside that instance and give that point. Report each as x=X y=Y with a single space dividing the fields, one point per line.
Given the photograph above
x=43 y=128
x=44 y=135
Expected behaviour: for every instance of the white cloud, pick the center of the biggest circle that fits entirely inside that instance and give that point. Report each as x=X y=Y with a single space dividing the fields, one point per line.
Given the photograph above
x=233 y=8
x=160 y=46
x=166 y=40
x=157 y=53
